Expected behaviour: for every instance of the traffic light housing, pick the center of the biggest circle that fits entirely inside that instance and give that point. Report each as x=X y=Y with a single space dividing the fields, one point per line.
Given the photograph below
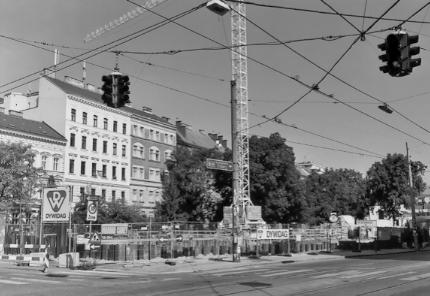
x=123 y=90
x=398 y=54
x=107 y=89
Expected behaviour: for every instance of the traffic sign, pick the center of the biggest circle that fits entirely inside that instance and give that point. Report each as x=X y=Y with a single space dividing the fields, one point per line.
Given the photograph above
x=333 y=217
x=56 y=205
x=217 y=164
x=92 y=208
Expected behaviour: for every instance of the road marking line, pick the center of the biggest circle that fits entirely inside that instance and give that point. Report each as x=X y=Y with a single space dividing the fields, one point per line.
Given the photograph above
x=170 y=279
x=394 y=275
x=361 y=274
x=12 y=282
x=238 y=272
x=286 y=272
x=348 y=272
x=35 y=280
x=417 y=277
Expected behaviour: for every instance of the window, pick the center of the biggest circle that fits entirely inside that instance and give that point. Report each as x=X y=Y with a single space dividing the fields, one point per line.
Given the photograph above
x=104 y=193
x=166 y=138
x=73 y=115
x=157 y=135
x=151 y=134
x=141 y=173
x=141 y=195
x=123 y=197
x=114 y=149
x=105 y=123
x=72 y=140
x=124 y=128
x=55 y=164
x=94 y=169
x=84 y=142
x=154 y=154
x=104 y=169
x=167 y=154
x=113 y=195
x=123 y=174
x=114 y=172
x=172 y=139
x=123 y=153
x=154 y=175
x=95 y=120
x=134 y=172
x=138 y=150
x=44 y=162
x=82 y=191
x=94 y=144
x=93 y=191
x=104 y=146
x=84 y=117
x=82 y=167
x=134 y=194
x=115 y=126
x=71 y=166
x=134 y=130
x=142 y=132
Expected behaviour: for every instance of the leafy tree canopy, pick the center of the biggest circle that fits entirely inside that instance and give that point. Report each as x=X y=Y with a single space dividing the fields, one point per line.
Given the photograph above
x=108 y=212
x=388 y=183
x=189 y=193
x=18 y=177
x=335 y=190
x=274 y=180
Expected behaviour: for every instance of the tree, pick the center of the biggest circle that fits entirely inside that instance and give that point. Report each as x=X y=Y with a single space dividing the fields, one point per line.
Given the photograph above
x=335 y=190
x=108 y=212
x=274 y=180
x=388 y=183
x=189 y=192
x=18 y=177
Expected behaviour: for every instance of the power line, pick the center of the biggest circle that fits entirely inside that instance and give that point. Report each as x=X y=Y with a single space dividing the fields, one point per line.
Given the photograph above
x=288 y=76
x=328 y=12
x=130 y=37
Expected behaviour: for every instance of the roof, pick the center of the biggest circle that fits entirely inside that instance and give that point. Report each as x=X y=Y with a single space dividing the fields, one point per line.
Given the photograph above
x=71 y=89
x=31 y=127
x=195 y=139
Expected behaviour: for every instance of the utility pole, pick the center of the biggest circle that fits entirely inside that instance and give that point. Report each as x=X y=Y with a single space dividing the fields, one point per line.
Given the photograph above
x=412 y=201
x=234 y=135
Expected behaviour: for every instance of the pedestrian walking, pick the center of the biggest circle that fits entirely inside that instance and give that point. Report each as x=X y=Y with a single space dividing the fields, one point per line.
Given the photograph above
x=45 y=261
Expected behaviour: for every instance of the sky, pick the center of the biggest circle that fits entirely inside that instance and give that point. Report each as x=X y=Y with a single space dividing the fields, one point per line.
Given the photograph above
x=179 y=73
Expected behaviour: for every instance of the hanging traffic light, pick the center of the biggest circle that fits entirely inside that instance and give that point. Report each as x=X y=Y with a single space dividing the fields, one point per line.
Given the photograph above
x=107 y=90
x=123 y=90
x=398 y=54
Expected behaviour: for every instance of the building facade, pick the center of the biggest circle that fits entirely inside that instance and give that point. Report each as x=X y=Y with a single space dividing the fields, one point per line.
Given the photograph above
x=153 y=140
x=97 y=154
x=46 y=143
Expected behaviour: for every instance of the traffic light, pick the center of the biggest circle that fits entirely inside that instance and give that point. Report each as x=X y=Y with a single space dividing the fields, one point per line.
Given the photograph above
x=107 y=90
x=398 y=54
x=123 y=90
x=413 y=51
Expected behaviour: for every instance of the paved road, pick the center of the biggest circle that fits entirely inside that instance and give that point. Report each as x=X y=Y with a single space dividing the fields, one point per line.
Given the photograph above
x=400 y=274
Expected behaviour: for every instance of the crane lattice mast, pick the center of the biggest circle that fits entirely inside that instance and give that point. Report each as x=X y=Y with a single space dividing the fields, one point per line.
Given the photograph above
x=240 y=76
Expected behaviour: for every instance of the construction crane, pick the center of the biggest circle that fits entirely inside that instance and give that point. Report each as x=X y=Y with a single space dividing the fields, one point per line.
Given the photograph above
x=240 y=134
x=138 y=10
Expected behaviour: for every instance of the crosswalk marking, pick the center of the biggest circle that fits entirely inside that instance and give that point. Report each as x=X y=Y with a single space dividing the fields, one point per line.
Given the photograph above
x=285 y=272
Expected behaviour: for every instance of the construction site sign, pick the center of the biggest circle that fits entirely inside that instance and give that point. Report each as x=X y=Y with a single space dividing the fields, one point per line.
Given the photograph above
x=56 y=205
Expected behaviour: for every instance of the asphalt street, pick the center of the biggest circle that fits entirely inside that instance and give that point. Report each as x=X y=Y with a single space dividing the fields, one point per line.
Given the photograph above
x=394 y=274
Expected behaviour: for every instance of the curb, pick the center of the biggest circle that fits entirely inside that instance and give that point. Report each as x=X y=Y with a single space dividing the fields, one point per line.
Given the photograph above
x=382 y=254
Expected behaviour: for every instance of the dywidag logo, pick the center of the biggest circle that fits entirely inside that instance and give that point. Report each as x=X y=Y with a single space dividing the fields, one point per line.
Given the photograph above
x=56 y=199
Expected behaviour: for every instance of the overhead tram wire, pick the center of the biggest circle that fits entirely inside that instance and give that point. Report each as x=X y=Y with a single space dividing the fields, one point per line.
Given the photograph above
x=327 y=12
x=288 y=76
x=340 y=79
x=130 y=37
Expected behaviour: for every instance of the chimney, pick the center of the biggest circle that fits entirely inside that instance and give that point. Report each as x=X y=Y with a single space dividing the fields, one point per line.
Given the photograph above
x=165 y=118
x=180 y=127
x=213 y=136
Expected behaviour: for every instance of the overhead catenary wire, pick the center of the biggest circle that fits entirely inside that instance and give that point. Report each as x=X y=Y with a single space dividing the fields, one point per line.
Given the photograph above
x=130 y=37
x=328 y=12
x=340 y=79
x=289 y=76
